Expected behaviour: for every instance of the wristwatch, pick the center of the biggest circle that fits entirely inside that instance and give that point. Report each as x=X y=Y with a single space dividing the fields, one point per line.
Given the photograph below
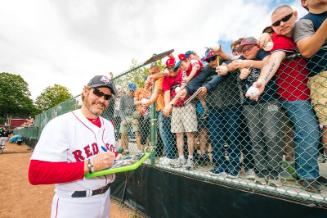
x=90 y=165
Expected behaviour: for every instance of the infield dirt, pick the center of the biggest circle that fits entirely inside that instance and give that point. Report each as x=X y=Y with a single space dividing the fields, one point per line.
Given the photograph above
x=19 y=199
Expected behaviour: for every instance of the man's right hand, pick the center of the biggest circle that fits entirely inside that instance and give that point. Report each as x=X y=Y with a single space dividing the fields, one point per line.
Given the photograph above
x=260 y=86
x=264 y=39
x=103 y=160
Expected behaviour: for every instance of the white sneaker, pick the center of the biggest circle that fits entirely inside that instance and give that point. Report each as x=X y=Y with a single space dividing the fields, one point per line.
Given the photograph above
x=221 y=174
x=232 y=176
x=189 y=164
x=165 y=161
x=250 y=174
x=178 y=163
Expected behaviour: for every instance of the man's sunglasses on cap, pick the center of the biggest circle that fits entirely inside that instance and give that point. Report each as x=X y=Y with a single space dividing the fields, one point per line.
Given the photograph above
x=98 y=93
x=211 y=59
x=284 y=19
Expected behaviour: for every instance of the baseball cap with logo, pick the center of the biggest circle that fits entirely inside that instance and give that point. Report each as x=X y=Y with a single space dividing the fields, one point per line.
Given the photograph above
x=101 y=81
x=170 y=62
x=181 y=57
x=210 y=53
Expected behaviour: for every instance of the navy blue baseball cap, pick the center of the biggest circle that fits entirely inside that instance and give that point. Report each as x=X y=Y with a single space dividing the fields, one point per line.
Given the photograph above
x=209 y=53
x=188 y=53
x=102 y=81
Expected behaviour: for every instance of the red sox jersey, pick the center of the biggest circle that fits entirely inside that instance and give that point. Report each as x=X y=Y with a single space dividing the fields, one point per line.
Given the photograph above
x=71 y=137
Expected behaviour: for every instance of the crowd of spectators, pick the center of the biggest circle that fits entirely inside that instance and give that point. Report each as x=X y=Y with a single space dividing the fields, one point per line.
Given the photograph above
x=233 y=112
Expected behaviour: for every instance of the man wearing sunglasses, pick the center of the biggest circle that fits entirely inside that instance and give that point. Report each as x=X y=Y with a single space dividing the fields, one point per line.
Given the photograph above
x=72 y=145
x=291 y=81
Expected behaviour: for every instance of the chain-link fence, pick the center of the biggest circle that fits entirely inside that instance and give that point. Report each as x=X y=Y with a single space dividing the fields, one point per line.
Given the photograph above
x=276 y=145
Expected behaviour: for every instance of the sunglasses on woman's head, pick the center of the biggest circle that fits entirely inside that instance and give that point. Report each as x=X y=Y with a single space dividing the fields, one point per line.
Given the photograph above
x=98 y=93
x=284 y=19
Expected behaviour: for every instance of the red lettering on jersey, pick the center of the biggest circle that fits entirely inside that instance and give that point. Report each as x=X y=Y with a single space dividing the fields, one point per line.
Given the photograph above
x=87 y=151
x=95 y=148
x=108 y=147
x=112 y=148
x=78 y=155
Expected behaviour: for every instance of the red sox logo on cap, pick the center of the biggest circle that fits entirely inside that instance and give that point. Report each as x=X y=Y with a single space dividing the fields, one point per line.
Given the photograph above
x=105 y=79
x=170 y=61
x=182 y=57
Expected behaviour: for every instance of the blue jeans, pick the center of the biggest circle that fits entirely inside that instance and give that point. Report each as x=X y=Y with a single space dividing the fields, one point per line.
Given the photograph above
x=306 y=137
x=265 y=128
x=224 y=127
x=167 y=137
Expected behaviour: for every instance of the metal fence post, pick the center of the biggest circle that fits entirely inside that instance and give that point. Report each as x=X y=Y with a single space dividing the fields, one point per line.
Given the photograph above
x=153 y=131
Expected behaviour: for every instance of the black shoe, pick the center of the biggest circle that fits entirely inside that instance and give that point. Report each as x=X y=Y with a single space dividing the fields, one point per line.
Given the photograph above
x=322 y=180
x=310 y=185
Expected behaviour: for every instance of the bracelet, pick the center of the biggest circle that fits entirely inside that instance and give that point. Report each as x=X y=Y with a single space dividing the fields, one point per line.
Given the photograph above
x=90 y=166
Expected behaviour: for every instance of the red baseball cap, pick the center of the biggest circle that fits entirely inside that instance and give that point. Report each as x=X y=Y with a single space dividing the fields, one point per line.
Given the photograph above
x=182 y=57
x=247 y=41
x=170 y=62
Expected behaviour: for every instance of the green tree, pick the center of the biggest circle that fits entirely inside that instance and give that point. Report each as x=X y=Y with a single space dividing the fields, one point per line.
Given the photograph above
x=15 y=97
x=52 y=96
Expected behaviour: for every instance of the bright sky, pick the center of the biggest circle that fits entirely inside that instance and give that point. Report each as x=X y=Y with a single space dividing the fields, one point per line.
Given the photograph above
x=67 y=42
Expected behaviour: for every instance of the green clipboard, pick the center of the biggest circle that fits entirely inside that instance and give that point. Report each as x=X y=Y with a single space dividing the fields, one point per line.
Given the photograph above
x=120 y=169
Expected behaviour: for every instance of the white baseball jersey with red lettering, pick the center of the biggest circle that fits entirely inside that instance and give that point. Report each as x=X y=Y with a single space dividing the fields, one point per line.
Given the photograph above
x=71 y=137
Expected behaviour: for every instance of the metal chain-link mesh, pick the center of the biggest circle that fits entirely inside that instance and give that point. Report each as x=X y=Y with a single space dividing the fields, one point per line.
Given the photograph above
x=276 y=146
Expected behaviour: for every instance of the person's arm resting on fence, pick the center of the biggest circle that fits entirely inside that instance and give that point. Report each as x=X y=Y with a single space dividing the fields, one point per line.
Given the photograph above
x=154 y=94
x=212 y=84
x=267 y=72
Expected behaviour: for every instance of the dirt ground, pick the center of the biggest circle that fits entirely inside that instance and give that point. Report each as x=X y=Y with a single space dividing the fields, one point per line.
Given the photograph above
x=19 y=199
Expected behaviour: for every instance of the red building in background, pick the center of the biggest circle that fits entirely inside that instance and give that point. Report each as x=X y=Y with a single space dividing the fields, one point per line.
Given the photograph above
x=16 y=122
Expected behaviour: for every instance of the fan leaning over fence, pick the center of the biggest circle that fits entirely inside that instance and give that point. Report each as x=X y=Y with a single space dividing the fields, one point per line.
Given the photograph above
x=291 y=80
